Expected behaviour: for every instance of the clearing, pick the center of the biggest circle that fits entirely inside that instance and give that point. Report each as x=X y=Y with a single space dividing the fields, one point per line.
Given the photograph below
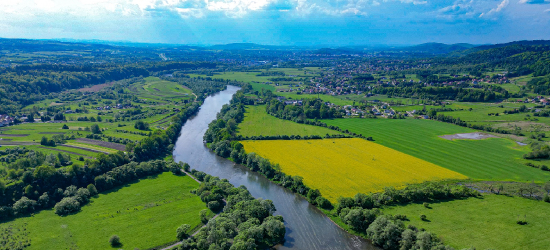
x=345 y=167
x=484 y=223
x=489 y=159
x=144 y=214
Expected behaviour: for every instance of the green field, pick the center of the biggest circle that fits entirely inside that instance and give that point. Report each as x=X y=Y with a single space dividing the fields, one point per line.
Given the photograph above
x=144 y=214
x=484 y=223
x=488 y=159
x=258 y=122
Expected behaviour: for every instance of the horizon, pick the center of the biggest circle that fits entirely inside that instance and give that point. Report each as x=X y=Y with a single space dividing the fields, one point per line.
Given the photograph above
x=279 y=22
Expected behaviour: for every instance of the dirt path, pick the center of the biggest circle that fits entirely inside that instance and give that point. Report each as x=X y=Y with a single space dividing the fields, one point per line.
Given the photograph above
x=196 y=232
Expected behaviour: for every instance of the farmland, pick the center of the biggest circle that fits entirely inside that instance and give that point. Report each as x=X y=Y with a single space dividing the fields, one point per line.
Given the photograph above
x=258 y=122
x=152 y=101
x=143 y=214
x=484 y=223
x=488 y=159
x=345 y=167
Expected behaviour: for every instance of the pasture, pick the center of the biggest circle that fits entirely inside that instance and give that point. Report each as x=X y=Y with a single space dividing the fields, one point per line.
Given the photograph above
x=257 y=122
x=345 y=167
x=484 y=223
x=488 y=159
x=144 y=214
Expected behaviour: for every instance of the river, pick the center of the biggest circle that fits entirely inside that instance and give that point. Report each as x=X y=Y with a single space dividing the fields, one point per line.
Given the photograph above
x=306 y=226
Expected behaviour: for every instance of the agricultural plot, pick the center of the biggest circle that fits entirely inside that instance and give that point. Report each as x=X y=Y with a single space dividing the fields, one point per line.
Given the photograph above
x=144 y=214
x=484 y=223
x=258 y=122
x=488 y=159
x=345 y=167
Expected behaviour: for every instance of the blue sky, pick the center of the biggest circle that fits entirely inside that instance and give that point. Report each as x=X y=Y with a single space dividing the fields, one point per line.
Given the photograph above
x=279 y=22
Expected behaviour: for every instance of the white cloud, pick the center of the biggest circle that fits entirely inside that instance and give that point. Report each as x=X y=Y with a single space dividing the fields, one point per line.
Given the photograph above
x=499 y=8
x=534 y=1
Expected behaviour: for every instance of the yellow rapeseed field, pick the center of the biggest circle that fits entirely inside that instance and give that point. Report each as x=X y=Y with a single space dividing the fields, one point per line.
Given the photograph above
x=345 y=167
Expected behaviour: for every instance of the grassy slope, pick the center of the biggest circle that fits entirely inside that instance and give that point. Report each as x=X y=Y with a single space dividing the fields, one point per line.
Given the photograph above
x=488 y=222
x=258 y=122
x=163 y=203
x=489 y=159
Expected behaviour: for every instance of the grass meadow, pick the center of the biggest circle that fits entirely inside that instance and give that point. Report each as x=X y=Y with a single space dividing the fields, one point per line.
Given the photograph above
x=144 y=214
x=484 y=223
x=487 y=159
x=258 y=122
x=345 y=167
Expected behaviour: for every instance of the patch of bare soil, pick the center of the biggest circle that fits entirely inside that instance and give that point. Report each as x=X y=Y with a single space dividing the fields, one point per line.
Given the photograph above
x=105 y=144
x=95 y=88
x=468 y=136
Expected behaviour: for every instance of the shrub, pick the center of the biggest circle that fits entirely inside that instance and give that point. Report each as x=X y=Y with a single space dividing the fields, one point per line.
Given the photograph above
x=65 y=126
x=181 y=232
x=114 y=240
x=546 y=198
x=203 y=215
x=66 y=206
x=522 y=221
x=81 y=158
x=423 y=217
x=400 y=217
x=426 y=205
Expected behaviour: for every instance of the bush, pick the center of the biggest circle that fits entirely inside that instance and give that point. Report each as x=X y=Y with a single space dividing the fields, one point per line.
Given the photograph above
x=323 y=203
x=546 y=198
x=181 y=232
x=65 y=126
x=423 y=217
x=426 y=205
x=114 y=241
x=67 y=205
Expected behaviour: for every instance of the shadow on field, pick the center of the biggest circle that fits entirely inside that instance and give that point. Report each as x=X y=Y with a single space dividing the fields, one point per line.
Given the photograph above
x=433 y=202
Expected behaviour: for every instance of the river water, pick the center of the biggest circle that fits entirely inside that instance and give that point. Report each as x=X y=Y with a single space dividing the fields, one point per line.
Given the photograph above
x=306 y=226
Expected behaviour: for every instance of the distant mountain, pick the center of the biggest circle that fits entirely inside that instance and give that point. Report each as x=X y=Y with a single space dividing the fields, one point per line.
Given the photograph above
x=46 y=45
x=500 y=45
x=252 y=46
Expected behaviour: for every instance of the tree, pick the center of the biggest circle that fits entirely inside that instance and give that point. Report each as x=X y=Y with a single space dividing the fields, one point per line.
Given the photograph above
x=385 y=233
x=114 y=241
x=65 y=126
x=95 y=129
x=181 y=232
x=203 y=215
x=92 y=189
x=141 y=125
x=67 y=205
x=24 y=205
x=44 y=200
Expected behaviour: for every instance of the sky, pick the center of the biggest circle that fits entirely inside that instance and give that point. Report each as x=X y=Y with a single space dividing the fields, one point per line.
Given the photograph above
x=279 y=22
